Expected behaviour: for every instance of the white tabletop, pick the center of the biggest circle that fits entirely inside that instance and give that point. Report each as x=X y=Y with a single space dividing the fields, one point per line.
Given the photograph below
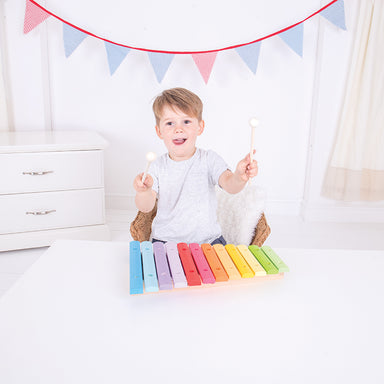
x=70 y=319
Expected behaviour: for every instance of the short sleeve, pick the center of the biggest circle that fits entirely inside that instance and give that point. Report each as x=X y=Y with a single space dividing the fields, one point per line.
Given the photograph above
x=216 y=165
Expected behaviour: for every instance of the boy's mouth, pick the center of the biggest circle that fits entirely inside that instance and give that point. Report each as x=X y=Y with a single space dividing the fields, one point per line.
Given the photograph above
x=179 y=141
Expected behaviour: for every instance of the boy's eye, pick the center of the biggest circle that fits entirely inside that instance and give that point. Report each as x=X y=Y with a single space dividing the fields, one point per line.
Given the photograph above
x=169 y=123
x=187 y=121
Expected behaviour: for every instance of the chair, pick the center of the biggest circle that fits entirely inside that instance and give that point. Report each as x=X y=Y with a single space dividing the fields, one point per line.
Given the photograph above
x=141 y=226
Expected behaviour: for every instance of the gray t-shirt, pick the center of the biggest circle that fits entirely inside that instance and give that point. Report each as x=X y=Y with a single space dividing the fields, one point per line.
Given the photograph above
x=186 y=208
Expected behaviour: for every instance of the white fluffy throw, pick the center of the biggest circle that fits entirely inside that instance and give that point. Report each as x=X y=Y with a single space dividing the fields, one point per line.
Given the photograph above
x=239 y=214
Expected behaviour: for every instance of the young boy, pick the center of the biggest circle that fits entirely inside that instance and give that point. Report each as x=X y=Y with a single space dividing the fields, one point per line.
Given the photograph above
x=183 y=180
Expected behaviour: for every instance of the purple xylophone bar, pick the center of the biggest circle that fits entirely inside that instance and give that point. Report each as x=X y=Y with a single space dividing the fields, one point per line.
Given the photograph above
x=162 y=268
x=177 y=272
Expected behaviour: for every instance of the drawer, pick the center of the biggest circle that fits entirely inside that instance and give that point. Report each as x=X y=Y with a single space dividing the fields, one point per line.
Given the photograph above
x=51 y=210
x=50 y=171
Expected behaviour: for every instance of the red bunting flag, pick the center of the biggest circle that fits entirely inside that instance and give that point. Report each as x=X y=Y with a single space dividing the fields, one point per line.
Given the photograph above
x=33 y=16
x=204 y=62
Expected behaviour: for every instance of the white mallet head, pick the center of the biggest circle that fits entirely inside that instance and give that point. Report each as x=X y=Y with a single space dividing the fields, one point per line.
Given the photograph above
x=253 y=122
x=150 y=156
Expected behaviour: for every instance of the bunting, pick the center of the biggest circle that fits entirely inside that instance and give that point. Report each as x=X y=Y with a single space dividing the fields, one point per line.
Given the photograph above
x=250 y=55
x=160 y=63
x=335 y=14
x=160 y=60
x=116 y=55
x=72 y=38
x=204 y=62
x=33 y=16
x=294 y=38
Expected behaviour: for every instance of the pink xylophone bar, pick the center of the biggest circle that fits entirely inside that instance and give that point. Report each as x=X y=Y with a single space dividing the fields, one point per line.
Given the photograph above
x=172 y=266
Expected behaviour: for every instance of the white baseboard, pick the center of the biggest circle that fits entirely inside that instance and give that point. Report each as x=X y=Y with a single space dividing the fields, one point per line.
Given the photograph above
x=338 y=212
x=127 y=203
x=283 y=207
x=120 y=201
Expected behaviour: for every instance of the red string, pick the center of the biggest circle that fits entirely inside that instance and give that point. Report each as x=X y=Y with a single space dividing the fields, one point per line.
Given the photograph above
x=182 y=52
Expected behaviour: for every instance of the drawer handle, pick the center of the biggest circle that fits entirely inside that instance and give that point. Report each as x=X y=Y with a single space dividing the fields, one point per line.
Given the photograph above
x=38 y=213
x=37 y=173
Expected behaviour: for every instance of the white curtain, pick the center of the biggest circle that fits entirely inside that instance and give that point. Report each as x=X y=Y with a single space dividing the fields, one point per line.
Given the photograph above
x=356 y=167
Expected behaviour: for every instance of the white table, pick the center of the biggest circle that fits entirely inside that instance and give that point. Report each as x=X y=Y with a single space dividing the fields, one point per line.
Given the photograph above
x=70 y=319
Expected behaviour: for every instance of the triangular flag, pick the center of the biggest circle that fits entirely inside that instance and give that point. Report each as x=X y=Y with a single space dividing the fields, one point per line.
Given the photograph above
x=204 y=62
x=335 y=14
x=34 y=15
x=72 y=38
x=160 y=63
x=294 y=38
x=250 y=54
x=116 y=54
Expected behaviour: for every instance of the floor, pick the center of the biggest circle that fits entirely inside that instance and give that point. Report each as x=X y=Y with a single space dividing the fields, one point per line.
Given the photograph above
x=287 y=232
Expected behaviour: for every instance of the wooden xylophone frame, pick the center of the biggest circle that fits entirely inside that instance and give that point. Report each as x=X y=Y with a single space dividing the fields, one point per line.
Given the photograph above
x=177 y=266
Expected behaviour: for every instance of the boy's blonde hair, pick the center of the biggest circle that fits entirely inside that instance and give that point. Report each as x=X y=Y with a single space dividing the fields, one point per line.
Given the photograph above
x=179 y=98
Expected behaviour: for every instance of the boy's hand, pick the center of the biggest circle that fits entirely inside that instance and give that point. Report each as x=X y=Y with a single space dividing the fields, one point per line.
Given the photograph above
x=145 y=198
x=140 y=186
x=236 y=181
x=246 y=169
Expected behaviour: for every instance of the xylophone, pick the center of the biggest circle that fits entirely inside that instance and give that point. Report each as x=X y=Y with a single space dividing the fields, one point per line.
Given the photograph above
x=171 y=265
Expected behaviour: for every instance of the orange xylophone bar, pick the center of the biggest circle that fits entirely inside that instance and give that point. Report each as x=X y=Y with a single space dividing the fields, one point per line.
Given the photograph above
x=180 y=265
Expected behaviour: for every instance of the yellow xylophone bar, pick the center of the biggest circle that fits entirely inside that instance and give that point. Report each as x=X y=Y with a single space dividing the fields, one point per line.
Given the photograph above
x=241 y=264
x=251 y=260
x=229 y=264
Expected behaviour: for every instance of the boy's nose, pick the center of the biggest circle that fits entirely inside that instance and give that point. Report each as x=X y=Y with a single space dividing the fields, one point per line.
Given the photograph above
x=178 y=128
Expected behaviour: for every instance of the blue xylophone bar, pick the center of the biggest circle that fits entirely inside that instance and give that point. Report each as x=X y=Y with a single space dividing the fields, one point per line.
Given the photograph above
x=162 y=267
x=135 y=268
x=149 y=268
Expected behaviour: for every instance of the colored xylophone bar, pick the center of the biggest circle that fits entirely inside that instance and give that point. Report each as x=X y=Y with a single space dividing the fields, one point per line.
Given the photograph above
x=171 y=265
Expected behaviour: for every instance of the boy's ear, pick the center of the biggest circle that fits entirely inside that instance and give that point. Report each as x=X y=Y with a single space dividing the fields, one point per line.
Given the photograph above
x=158 y=132
x=201 y=127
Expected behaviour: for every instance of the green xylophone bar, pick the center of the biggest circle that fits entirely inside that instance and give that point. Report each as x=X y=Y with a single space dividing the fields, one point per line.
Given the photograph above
x=264 y=260
x=280 y=265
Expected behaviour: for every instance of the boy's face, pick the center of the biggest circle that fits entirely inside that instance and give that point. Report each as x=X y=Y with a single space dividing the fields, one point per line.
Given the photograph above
x=179 y=132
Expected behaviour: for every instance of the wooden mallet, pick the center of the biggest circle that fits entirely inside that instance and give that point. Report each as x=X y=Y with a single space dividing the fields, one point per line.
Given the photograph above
x=253 y=122
x=150 y=156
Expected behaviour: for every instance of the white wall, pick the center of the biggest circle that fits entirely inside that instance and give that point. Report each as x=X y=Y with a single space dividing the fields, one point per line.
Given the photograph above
x=293 y=142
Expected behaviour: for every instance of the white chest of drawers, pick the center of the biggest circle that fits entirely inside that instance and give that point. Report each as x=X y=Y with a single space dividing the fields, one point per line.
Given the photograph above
x=51 y=187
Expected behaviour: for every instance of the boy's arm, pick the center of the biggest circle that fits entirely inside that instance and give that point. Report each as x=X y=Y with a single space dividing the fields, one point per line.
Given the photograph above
x=234 y=182
x=145 y=198
x=231 y=182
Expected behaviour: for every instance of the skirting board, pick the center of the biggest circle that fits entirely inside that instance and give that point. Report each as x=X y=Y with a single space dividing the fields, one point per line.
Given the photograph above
x=127 y=202
x=36 y=239
x=338 y=212
x=323 y=212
